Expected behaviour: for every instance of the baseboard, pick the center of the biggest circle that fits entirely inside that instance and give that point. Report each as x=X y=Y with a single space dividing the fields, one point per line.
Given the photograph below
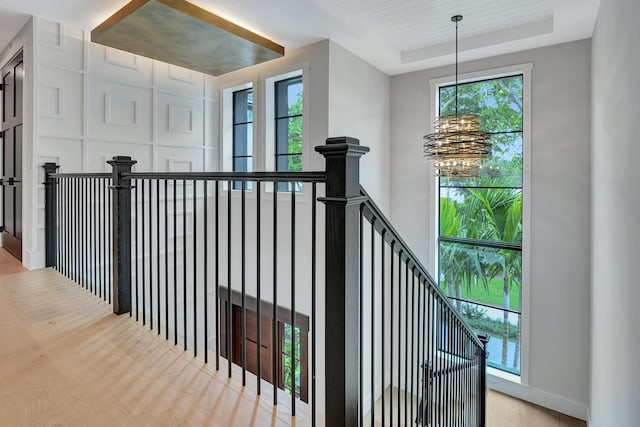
x=539 y=397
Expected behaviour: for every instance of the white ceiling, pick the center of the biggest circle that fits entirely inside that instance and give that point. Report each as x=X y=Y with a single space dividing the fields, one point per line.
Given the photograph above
x=396 y=36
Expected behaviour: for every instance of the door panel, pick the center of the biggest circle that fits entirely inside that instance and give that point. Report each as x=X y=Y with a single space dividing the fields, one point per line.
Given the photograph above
x=12 y=102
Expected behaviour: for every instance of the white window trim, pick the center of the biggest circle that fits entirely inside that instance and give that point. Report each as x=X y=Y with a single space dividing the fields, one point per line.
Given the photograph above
x=226 y=130
x=269 y=127
x=435 y=84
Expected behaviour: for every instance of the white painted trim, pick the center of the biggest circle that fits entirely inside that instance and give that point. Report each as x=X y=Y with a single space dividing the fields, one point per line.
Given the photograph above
x=539 y=397
x=526 y=70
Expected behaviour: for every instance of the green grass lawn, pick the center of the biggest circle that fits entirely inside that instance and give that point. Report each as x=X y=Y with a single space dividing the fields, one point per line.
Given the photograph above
x=492 y=295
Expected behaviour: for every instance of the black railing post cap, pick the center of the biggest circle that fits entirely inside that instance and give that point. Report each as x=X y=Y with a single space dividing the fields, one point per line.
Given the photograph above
x=341 y=146
x=122 y=160
x=50 y=166
x=343 y=140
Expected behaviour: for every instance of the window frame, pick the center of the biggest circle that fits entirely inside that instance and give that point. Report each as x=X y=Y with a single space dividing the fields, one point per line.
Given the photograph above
x=300 y=70
x=234 y=133
x=433 y=225
x=226 y=131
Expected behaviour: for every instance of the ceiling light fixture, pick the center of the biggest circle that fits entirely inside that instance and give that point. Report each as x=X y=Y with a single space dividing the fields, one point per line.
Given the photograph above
x=181 y=33
x=458 y=146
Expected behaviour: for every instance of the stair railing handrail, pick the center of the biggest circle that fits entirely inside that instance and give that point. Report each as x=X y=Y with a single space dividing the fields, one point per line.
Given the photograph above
x=401 y=246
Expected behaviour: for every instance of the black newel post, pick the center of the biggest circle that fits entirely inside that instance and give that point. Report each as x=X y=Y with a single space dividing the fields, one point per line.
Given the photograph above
x=342 y=277
x=121 y=234
x=482 y=401
x=50 y=216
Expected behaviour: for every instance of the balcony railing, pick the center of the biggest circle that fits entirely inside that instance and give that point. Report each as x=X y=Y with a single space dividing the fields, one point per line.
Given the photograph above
x=226 y=266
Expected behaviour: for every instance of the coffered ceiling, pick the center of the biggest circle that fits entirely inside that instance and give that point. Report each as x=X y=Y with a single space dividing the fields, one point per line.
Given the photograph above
x=394 y=35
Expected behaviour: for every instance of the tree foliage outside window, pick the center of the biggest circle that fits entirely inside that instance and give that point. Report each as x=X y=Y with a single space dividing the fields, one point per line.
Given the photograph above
x=287 y=359
x=289 y=123
x=481 y=266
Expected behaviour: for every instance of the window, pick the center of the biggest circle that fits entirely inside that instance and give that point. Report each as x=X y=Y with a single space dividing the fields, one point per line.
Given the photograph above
x=288 y=127
x=480 y=221
x=286 y=349
x=242 y=123
x=286 y=359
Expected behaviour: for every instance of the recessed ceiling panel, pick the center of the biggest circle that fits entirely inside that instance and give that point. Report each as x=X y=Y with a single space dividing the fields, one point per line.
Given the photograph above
x=180 y=33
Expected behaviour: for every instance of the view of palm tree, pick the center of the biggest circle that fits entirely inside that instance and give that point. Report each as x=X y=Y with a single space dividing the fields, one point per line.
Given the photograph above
x=480 y=245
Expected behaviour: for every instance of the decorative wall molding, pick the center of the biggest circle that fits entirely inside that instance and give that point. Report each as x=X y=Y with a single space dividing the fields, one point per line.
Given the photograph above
x=179 y=165
x=180 y=74
x=116 y=109
x=180 y=119
x=121 y=59
x=51 y=102
x=51 y=34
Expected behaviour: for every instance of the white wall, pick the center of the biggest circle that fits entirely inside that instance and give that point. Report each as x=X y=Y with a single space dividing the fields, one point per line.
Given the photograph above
x=615 y=345
x=558 y=361
x=359 y=97
x=92 y=103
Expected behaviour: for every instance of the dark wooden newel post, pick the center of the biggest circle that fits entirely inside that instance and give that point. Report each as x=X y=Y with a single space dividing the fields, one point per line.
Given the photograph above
x=50 y=215
x=121 y=234
x=342 y=277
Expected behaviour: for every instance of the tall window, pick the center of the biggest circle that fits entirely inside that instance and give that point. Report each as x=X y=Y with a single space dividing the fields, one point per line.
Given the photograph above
x=242 y=153
x=288 y=127
x=480 y=236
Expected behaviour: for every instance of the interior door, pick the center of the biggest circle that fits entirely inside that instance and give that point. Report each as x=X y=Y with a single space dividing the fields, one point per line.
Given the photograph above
x=12 y=86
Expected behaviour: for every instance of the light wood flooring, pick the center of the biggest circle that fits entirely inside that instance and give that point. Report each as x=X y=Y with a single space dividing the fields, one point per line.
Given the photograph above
x=66 y=360
x=9 y=264
x=507 y=411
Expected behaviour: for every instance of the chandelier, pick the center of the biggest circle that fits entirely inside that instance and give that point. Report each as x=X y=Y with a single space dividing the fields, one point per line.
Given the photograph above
x=458 y=146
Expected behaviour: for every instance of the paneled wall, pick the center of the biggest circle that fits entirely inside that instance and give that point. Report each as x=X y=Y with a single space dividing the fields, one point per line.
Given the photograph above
x=94 y=102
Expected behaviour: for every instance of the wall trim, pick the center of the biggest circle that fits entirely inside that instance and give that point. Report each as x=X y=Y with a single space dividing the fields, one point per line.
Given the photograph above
x=539 y=397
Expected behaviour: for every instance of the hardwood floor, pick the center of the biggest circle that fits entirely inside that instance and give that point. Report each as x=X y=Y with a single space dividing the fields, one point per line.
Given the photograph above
x=9 y=264
x=507 y=411
x=66 y=360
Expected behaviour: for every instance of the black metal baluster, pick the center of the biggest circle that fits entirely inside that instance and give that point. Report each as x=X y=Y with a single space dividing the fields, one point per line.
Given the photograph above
x=159 y=327
x=166 y=258
x=217 y=281
x=313 y=303
x=373 y=321
x=109 y=242
x=184 y=262
x=361 y=320
x=430 y=328
x=137 y=245
x=258 y=287
x=243 y=308
x=413 y=335
x=406 y=341
x=229 y=299
x=382 y=300
x=276 y=375
x=76 y=205
x=62 y=205
x=151 y=255
x=85 y=231
x=420 y=361
x=175 y=262
x=81 y=236
x=144 y=282
x=423 y=360
x=293 y=299
x=399 y=331
x=391 y=309
x=206 y=265
x=195 y=268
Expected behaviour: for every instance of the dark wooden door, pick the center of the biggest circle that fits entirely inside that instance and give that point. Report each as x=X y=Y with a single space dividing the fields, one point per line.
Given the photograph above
x=12 y=85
